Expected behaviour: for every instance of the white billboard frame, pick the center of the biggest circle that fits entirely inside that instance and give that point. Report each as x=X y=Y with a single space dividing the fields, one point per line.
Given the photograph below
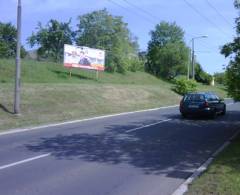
x=84 y=57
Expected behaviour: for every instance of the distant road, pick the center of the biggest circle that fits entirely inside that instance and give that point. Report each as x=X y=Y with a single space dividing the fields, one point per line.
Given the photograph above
x=142 y=153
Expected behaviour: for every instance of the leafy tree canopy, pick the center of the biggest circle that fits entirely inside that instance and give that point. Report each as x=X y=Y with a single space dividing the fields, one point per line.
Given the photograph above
x=167 y=53
x=220 y=77
x=51 y=39
x=202 y=76
x=232 y=50
x=165 y=33
x=101 y=30
x=8 y=41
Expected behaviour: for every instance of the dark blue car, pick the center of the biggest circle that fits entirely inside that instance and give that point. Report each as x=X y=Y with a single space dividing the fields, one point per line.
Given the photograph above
x=202 y=104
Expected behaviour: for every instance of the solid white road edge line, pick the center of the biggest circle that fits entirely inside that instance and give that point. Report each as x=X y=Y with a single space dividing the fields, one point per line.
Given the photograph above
x=150 y=125
x=7 y=132
x=24 y=161
x=183 y=188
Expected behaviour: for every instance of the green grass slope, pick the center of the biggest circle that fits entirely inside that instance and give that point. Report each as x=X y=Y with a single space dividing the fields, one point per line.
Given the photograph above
x=50 y=72
x=50 y=95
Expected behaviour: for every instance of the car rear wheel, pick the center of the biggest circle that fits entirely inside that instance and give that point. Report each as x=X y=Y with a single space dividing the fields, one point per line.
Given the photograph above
x=224 y=111
x=184 y=115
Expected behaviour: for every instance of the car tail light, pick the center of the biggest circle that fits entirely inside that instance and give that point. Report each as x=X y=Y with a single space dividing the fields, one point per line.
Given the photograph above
x=206 y=104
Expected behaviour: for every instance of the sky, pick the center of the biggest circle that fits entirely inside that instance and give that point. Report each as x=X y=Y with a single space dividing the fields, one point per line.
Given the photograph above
x=214 y=18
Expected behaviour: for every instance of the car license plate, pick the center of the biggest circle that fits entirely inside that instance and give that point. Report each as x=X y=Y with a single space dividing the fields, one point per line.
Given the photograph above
x=193 y=106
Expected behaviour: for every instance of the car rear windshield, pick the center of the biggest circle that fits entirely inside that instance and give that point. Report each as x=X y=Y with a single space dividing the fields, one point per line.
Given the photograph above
x=195 y=97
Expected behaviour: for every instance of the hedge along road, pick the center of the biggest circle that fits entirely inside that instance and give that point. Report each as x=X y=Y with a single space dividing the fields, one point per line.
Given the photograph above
x=140 y=153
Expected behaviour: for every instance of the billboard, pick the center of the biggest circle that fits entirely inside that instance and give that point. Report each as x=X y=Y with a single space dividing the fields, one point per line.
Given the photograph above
x=84 y=57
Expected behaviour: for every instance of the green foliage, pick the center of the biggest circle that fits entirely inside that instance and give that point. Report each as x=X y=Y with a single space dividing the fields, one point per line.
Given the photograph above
x=101 y=30
x=232 y=50
x=233 y=78
x=143 y=56
x=8 y=41
x=167 y=53
x=135 y=64
x=183 y=86
x=51 y=39
x=201 y=76
x=220 y=78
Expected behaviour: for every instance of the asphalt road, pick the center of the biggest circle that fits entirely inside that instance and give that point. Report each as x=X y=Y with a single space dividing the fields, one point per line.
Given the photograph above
x=142 y=153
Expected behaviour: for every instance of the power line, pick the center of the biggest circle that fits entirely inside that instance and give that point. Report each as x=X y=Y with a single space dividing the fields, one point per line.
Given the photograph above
x=142 y=10
x=206 y=18
x=146 y=13
x=150 y=14
x=218 y=12
x=212 y=47
x=204 y=52
x=125 y=8
x=153 y=16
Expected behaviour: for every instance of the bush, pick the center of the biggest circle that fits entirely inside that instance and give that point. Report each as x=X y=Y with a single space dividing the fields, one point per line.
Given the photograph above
x=204 y=78
x=184 y=86
x=135 y=64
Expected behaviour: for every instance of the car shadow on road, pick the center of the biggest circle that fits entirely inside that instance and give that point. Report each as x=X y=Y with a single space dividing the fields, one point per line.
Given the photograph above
x=175 y=148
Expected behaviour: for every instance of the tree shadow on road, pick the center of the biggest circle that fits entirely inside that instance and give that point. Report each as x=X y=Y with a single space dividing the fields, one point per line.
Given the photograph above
x=175 y=148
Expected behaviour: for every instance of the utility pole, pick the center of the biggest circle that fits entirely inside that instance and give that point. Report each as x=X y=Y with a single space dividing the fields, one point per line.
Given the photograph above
x=193 y=54
x=193 y=60
x=18 y=61
x=189 y=64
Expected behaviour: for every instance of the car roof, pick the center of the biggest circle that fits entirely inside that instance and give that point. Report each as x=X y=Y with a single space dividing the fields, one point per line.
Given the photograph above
x=201 y=93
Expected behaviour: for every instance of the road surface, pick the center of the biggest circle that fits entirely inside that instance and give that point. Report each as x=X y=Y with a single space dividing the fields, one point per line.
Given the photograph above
x=142 y=153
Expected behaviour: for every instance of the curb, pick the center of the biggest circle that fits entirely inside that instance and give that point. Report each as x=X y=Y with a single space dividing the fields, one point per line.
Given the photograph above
x=183 y=188
x=12 y=131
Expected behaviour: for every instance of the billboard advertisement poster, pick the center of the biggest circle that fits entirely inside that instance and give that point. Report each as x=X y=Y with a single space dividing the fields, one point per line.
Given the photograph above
x=84 y=57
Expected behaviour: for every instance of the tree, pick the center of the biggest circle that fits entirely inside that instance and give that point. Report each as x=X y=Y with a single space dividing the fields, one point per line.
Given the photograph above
x=101 y=30
x=232 y=50
x=167 y=53
x=202 y=76
x=8 y=41
x=51 y=39
x=220 y=77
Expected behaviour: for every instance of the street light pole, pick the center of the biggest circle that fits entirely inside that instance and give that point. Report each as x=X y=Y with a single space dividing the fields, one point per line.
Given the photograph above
x=193 y=54
x=189 y=64
x=193 y=60
x=18 y=61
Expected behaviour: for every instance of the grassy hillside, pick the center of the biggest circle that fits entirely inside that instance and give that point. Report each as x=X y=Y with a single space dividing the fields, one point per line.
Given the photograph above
x=49 y=72
x=49 y=94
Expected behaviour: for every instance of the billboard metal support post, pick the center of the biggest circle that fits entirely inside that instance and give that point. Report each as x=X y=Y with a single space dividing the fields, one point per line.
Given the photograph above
x=97 y=74
x=70 y=72
x=18 y=62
